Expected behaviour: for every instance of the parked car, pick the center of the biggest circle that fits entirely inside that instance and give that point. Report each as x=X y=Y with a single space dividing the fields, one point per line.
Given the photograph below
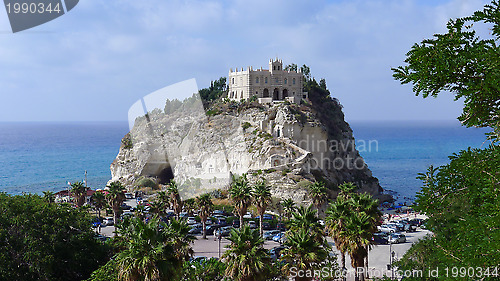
x=222 y=222
x=108 y=221
x=267 y=217
x=416 y=222
x=247 y=215
x=274 y=253
x=129 y=196
x=385 y=228
x=266 y=226
x=236 y=224
x=280 y=237
x=196 y=229
x=268 y=235
x=125 y=207
x=224 y=231
x=211 y=229
x=281 y=226
x=397 y=238
x=198 y=259
x=252 y=224
x=380 y=238
x=218 y=212
x=191 y=220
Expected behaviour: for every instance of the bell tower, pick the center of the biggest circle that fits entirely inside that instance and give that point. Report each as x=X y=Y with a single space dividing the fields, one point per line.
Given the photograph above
x=275 y=65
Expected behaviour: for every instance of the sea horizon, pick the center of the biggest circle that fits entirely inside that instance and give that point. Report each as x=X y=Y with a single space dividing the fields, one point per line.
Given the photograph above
x=46 y=155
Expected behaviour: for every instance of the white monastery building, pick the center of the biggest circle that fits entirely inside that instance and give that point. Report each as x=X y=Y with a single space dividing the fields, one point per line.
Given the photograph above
x=268 y=85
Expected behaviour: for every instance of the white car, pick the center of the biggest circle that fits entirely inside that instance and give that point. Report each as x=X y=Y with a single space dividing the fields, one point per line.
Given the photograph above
x=396 y=238
x=191 y=220
x=386 y=229
x=108 y=221
x=247 y=216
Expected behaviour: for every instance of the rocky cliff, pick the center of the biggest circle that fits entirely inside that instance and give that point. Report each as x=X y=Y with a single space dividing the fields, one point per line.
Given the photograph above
x=289 y=145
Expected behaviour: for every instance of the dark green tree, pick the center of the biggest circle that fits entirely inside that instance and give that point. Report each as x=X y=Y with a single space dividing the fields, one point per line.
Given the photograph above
x=262 y=199
x=246 y=257
x=240 y=193
x=462 y=197
x=46 y=241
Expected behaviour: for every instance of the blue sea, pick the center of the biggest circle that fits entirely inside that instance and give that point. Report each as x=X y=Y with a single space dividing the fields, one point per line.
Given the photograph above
x=36 y=157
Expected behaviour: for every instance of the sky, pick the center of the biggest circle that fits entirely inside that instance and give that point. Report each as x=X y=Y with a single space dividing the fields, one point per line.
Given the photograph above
x=96 y=61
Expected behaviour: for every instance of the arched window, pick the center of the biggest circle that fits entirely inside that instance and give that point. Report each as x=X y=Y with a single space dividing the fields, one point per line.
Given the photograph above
x=266 y=80
x=233 y=80
x=257 y=80
x=274 y=67
x=241 y=94
x=286 y=80
x=293 y=81
x=276 y=80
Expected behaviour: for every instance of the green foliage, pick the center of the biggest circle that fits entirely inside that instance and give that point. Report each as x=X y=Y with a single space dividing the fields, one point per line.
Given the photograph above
x=46 y=241
x=107 y=272
x=246 y=257
x=145 y=182
x=127 y=141
x=172 y=106
x=246 y=125
x=291 y=67
x=207 y=270
x=351 y=221
x=461 y=63
x=149 y=252
x=463 y=204
x=217 y=89
x=462 y=197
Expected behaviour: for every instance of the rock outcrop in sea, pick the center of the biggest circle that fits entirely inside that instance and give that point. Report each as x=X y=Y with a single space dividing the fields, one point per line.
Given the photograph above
x=288 y=145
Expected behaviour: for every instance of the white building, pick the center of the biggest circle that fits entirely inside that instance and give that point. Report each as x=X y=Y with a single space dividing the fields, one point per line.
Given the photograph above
x=273 y=84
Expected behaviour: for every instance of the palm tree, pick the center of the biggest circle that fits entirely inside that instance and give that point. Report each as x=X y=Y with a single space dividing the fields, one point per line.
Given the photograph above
x=288 y=207
x=149 y=252
x=158 y=208
x=246 y=257
x=163 y=197
x=318 y=193
x=115 y=197
x=205 y=206
x=306 y=218
x=358 y=236
x=140 y=212
x=99 y=201
x=303 y=252
x=189 y=205
x=262 y=198
x=241 y=195
x=352 y=219
x=175 y=198
x=336 y=216
x=49 y=196
x=79 y=191
x=178 y=233
x=365 y=203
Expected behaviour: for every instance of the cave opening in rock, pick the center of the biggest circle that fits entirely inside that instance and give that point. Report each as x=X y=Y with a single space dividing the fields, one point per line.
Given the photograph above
x=166 y=175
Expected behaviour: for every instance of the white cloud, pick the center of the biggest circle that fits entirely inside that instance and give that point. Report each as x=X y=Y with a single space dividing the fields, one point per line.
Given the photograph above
x=114 y=52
